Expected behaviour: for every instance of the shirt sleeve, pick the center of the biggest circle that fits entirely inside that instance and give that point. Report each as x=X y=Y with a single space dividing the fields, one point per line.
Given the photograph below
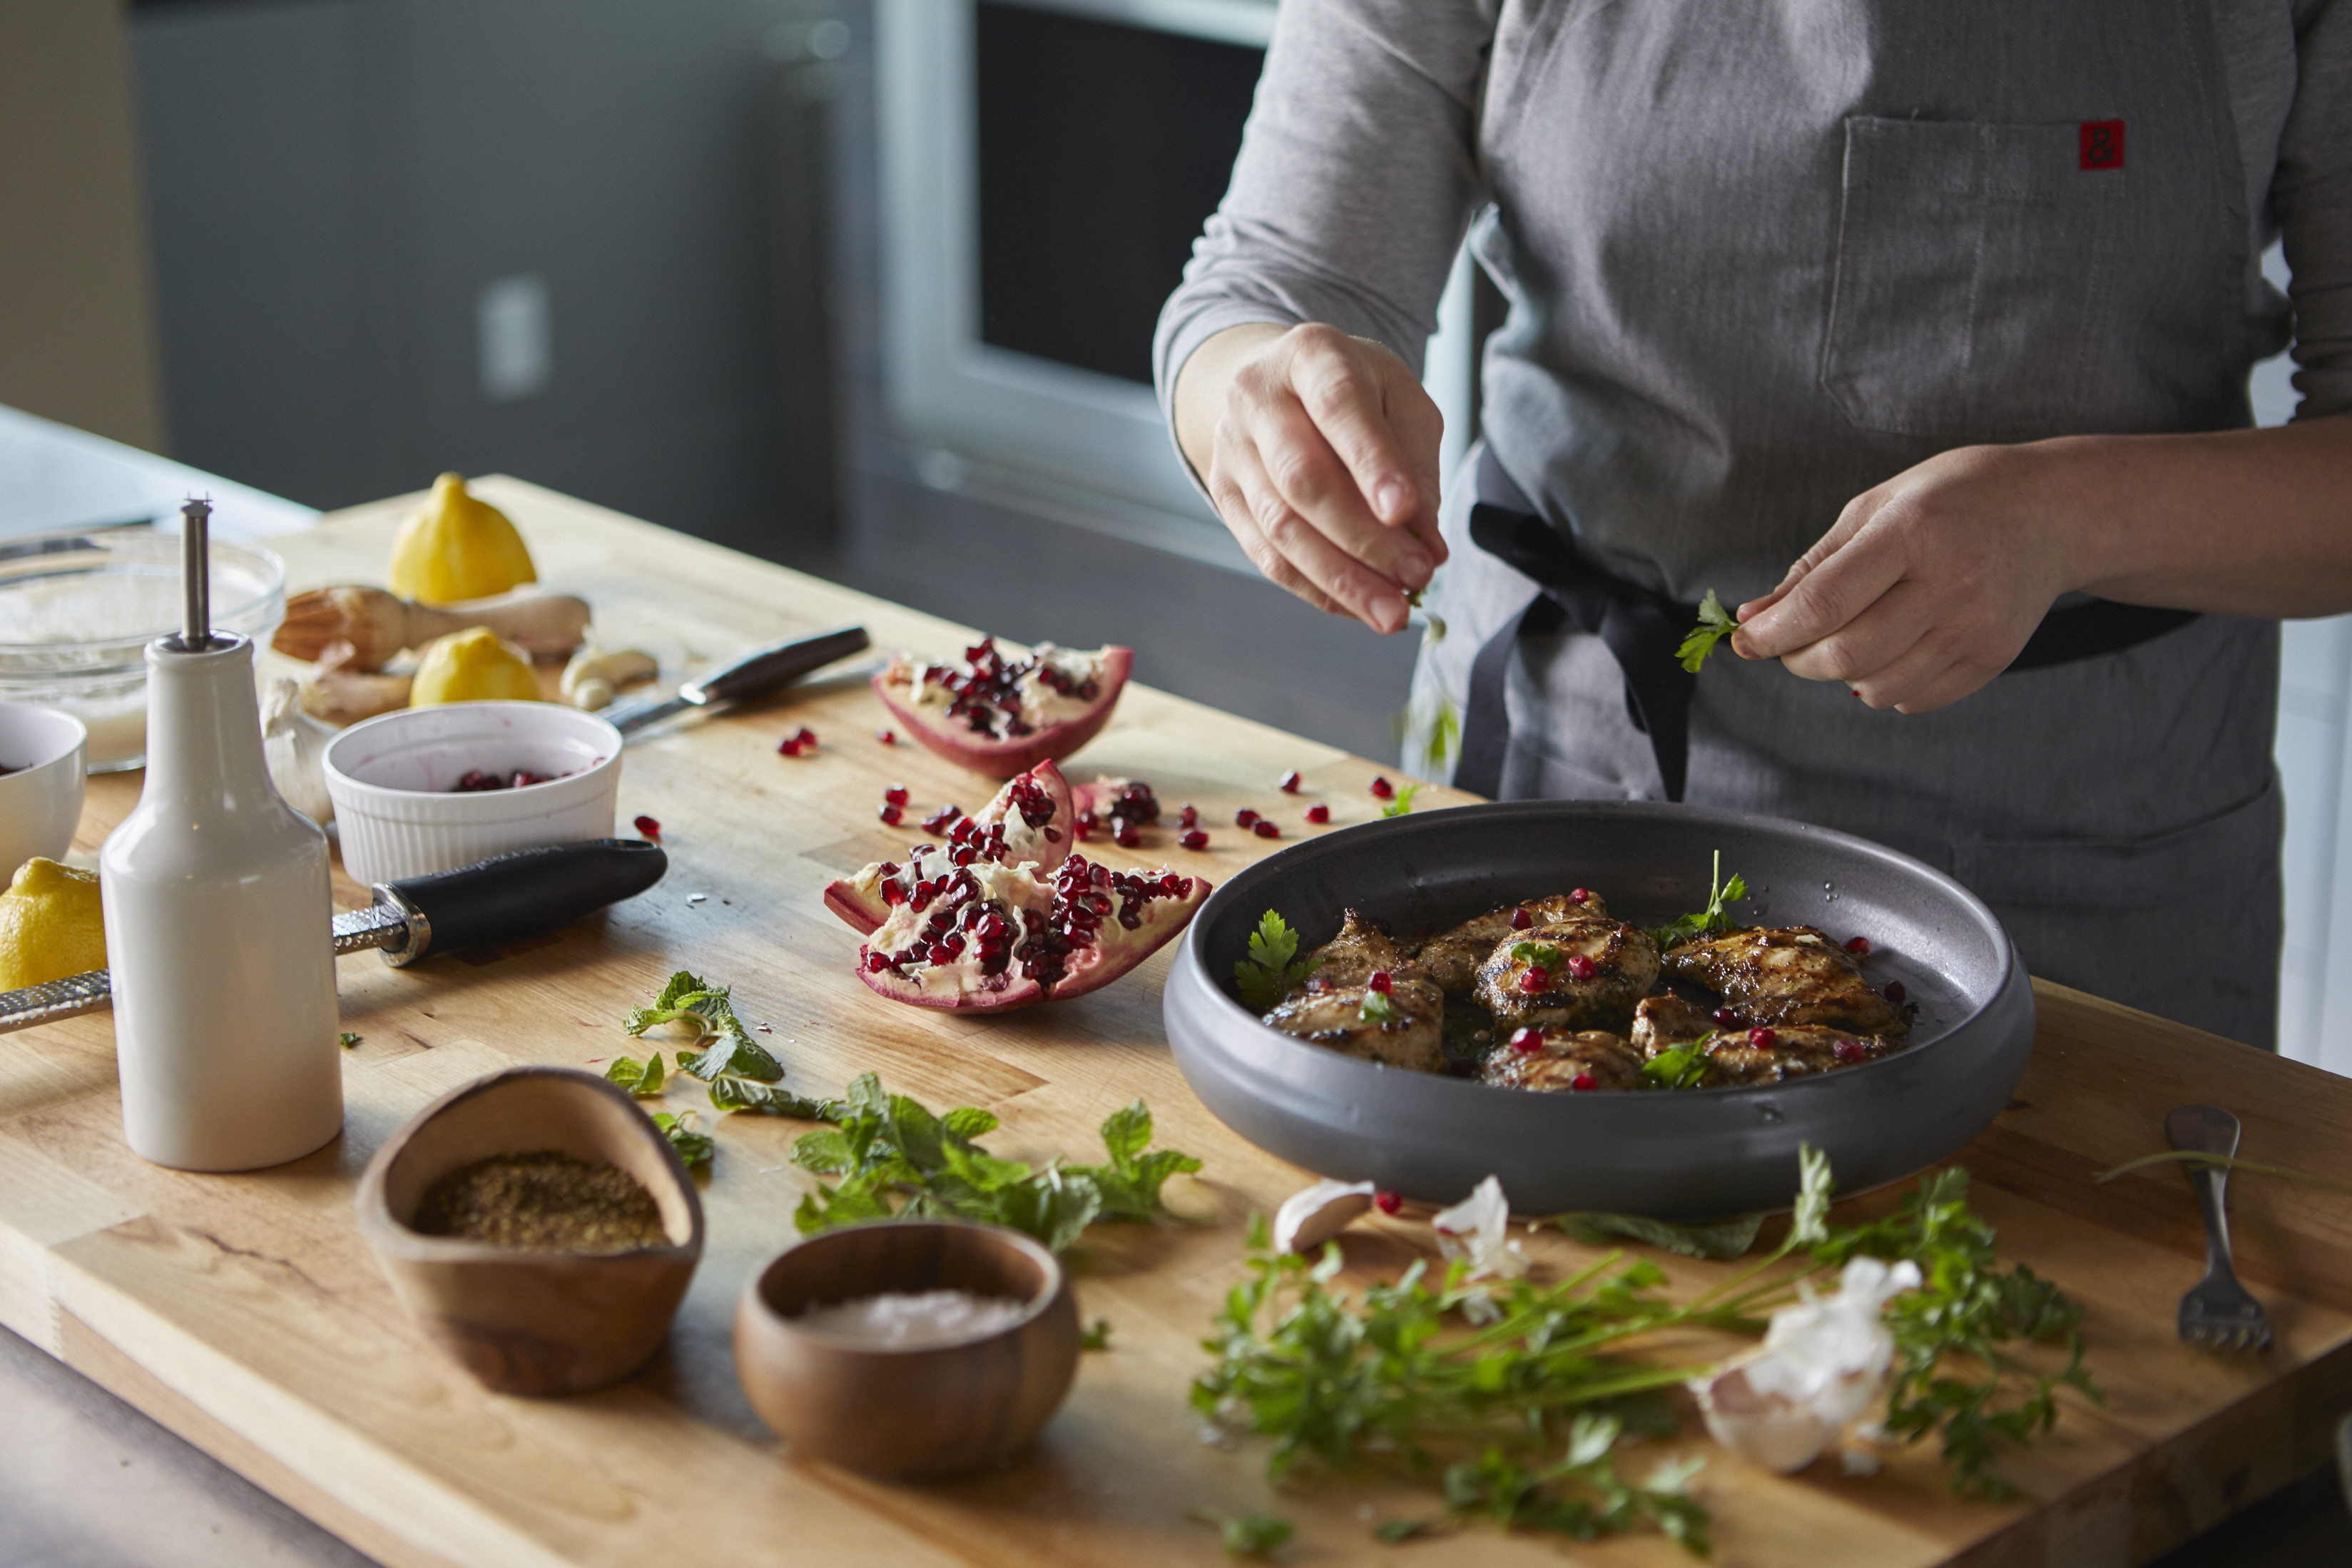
x=1355 y=180
x=2313 y=193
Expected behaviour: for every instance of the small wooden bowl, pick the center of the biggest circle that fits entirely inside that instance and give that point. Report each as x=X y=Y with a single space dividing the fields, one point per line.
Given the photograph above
x=908 y=1412
x=533 y=1322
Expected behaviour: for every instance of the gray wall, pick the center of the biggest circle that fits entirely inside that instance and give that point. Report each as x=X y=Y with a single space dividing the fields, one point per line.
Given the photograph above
x=333 y=182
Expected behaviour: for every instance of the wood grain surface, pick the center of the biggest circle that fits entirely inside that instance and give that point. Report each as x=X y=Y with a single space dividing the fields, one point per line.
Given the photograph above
x=245 y=1312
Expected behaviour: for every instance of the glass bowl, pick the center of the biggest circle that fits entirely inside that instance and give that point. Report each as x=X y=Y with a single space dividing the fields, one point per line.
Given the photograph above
x=78 y=608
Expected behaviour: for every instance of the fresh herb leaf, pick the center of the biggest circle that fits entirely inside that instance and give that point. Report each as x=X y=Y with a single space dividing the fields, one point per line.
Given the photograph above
x=1402 y=803
x=1378 y=1008
x=1273 y=966
x=1680 y=1067
x=731 y=1092
x=1096 y=1338
x=693 y=1148
x=688 y=999
x=347 y=1040
x=1709 y=922
x=1541 y=953
x=1715 y=623
x=1249 y=1535
x=643 y=1079
x=1395 y=1530
x=1130 y=1182
x=1720 y=1241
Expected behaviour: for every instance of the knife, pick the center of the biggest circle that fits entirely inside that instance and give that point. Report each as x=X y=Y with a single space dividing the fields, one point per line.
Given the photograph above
x=747 y=675
x=506 y=896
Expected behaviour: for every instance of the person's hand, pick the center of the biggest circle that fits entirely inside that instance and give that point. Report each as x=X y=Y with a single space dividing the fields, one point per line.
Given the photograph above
x=1319 y=452
x=1931 y=583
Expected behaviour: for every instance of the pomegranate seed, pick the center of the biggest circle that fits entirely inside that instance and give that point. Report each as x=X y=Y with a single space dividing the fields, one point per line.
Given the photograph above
x=1536 y=981
x=1128 y=836
x=1584 y=1083
x=1859 y=947
x=1850 y=1051
x=896 y=795
x=1894 y=991
x=1265 y=829
x=1580 y=967
x=1383 y=789
x=893 y=814
x=1196 y=839
x=1246 y=817
x=1526 y=1039
x=1580 y=895
x=789 y=746
x=887 y=737
x=1387 y=1203
x=1081 y=831
x=1762 y=1039
x=1725 y=1018
x=807 y=736
x=1318 y=814
x=1189 y=817
x=1380 y=980
x=1290 y=782
x=649 y=827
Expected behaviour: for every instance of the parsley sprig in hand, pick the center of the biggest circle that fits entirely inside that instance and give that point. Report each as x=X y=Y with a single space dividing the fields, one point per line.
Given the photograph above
x=1710 y=921
x=1715 y=623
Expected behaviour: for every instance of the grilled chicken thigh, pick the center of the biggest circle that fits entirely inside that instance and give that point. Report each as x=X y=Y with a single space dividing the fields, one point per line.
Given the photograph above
x=1360 y=950
x=1787 y=976
x=1585 y=972
x=1334 y=1016
x=1766 y=1054
x=1566 y=1062
x=1452 y=957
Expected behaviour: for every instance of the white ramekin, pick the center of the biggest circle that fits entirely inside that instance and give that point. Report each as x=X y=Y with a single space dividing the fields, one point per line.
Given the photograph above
x=394 y=780
x=40 y=797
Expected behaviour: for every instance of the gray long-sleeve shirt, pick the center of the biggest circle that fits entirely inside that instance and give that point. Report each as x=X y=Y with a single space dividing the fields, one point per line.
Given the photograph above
x=1759 y=258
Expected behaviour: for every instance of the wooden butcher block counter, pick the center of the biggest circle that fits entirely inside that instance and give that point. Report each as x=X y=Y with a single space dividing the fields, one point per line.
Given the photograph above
x=244 y=1312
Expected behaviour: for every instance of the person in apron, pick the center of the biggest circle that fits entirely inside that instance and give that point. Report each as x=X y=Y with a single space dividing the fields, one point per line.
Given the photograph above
x=1937 y=302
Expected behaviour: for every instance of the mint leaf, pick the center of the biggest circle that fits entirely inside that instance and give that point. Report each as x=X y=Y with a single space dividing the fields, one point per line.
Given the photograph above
x=731 y=1092
x=1249 y=1535
x=347 y=1040
x=693 y=1148
x=1720 y=1241
x=643 y=1079
x=1715 y=623
x=1096 y=1338
x=1683 y=1066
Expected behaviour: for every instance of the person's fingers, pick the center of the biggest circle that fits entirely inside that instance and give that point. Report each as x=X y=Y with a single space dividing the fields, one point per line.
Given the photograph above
x=1364 y=593
x=1842 y=584
x=1939 y=669
x=1342 y=391
x=1869 y=643
x=1850 y=520
x=1233 y=508
x=1421 y=434
x=1291 y=450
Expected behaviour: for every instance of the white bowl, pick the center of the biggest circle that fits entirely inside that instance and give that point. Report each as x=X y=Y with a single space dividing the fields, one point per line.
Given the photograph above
x=393 y=780
x=40 y=795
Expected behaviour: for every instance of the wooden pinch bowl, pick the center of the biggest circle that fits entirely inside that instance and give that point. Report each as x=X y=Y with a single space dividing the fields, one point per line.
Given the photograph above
x=911 y=1413
x=533 y=1322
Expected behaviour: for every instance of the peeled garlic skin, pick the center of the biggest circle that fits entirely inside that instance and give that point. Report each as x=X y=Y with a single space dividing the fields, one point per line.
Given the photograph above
x=1313 y=1216
x=294 y=749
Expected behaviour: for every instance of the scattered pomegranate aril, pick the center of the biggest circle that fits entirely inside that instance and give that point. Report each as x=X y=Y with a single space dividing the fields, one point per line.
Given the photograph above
x=896 y=795
x=1196 y=839
x=1265 y=829
x=1383 y=789
x=788 y=746
x=1526 y=1039
x=1387 y=1203
x=1895 y=991
x=1859 y=946
x=893 y=814
x=1763 y=1039
x=1580 y=967
x=1128 y=836
x=1290 y=782
x=806 y=736
x=1246 y=817
x=1379 y=980
x=1584 y=1083
x=1725 y=1018
x=1850 y=1051
x=1318 y=814
x=649 y=827
x=1536 y=981
x=887 y=737
x=1189 y=817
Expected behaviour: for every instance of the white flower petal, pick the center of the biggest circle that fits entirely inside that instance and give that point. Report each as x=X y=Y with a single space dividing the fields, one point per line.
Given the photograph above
x=1313 y=1216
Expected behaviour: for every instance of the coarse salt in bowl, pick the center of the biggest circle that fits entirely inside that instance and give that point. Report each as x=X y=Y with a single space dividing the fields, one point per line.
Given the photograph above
x=394 y=780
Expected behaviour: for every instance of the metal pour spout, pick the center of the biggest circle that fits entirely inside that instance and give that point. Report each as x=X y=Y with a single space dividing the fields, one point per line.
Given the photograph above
x=195 y=575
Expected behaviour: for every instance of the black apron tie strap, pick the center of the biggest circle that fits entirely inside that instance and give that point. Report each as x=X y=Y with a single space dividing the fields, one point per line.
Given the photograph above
x=1643 y=629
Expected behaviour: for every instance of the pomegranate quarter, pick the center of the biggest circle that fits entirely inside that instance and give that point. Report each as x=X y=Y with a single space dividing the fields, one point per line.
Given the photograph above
x=1002 y=716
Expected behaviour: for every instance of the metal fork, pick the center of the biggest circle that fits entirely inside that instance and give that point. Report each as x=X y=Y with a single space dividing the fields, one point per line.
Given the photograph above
x=2219 y=1311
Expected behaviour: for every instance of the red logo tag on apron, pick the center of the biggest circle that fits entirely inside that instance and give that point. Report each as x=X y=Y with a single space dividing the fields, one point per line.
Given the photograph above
x=2102 y=143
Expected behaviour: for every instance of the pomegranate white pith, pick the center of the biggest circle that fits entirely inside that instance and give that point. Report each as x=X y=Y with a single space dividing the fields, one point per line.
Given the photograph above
x=1001 y=716
x=1031 y=819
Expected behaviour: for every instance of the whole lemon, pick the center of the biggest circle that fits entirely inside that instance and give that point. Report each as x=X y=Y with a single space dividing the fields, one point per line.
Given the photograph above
x=476 y=665
x=50 y=925
x=457 y=548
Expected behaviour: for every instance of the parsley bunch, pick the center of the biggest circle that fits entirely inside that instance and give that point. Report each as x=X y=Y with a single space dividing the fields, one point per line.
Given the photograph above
x=896 y=1158
x=1273 y=966
x=1710 y=921
x=1715 y=623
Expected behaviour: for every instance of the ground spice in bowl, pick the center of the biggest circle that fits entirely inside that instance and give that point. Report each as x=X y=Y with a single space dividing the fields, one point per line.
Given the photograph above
x=545 y=1201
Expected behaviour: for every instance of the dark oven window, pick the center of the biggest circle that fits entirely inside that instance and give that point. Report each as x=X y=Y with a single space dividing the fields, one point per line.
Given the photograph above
x=1103 y=148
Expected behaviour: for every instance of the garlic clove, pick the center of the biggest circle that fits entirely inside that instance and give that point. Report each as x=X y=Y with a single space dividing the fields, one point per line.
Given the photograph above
x=294 y=748
x=1313 y=1216
x=594 y=674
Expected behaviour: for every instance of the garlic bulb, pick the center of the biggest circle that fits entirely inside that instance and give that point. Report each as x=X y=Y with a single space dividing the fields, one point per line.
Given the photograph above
x=593 y=675
x=294 y=746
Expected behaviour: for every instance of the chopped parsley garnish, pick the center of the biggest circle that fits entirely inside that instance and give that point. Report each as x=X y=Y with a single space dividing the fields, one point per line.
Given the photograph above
x=1681 y=1066
x=1715 y=623
x=1379 y=1009
x=1273 y=966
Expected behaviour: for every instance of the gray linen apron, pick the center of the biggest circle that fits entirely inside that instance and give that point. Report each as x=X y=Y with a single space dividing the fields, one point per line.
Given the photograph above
x=1816 y=243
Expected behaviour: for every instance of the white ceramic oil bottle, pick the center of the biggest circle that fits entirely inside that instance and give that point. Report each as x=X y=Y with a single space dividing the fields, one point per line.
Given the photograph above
x=218 y=914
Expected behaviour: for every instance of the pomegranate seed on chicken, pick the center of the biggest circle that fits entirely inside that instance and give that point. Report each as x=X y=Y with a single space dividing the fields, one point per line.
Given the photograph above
x=1580 y=895
x=1526 y=1039
x=1521 y=920
x=1584 y=1083
x=1379 y=980
x=1763 y=1039
x=1850 y=1051
x=1536 y=981
x=1580 y=967
x=1725 y=1018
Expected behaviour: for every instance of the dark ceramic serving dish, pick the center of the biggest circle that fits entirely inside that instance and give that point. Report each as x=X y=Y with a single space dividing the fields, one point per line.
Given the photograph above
x=1692 y=1154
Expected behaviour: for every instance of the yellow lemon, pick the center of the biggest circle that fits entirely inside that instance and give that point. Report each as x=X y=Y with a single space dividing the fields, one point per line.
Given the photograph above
x=50 y=925
x=476 y=665
x=457 y=548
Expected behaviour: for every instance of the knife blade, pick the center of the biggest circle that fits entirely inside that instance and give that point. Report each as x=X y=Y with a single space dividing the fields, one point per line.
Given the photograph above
x=506 y=896
x=747 y=675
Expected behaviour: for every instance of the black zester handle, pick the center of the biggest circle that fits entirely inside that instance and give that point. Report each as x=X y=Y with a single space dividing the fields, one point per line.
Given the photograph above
x=521 y=893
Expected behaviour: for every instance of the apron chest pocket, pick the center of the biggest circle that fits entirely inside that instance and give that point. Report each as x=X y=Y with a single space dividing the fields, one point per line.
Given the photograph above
x=1973 y=269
